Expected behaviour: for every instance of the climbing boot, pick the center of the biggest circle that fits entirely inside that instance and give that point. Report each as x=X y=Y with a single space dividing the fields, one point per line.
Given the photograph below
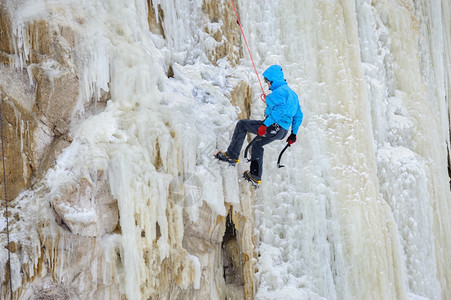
x=224 y=157
x=249 y=177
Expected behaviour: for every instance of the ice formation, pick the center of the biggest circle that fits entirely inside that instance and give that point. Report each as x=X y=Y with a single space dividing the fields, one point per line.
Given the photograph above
x=361 y=210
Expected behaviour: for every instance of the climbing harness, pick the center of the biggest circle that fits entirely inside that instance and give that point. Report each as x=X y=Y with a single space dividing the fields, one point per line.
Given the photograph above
x=262 y=96
x=6 y=201
x=258 y=138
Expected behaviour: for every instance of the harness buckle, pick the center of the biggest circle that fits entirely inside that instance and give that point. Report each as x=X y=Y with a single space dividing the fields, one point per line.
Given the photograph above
x=276 y=128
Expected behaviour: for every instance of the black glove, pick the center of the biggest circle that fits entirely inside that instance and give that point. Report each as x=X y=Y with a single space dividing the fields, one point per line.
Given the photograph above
x=291 y=139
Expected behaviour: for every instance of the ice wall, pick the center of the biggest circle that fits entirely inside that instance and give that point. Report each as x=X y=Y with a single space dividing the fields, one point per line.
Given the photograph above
x=367 y=194
x=136 y=206
x=110 y=216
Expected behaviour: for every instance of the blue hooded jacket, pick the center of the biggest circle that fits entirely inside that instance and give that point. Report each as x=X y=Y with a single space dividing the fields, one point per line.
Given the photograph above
x=282 y=105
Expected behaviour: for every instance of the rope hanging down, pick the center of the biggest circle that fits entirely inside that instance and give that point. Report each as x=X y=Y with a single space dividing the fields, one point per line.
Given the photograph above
x=262 y=96
x=6 y=201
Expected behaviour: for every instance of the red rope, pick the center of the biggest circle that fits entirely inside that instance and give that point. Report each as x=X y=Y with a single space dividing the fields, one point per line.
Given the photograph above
x=262 y=96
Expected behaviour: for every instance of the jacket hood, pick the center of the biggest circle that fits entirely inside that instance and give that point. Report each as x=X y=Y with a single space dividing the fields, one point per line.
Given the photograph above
x=275 y=74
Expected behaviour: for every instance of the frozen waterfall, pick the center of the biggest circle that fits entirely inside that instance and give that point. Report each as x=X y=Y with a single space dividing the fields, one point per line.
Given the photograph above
x=362 y=209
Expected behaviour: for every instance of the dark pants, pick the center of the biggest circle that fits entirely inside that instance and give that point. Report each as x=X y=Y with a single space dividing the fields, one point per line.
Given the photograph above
x=241 y=129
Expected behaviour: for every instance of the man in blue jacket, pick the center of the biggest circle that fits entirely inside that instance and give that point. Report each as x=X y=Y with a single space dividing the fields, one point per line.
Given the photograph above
x=282 y=111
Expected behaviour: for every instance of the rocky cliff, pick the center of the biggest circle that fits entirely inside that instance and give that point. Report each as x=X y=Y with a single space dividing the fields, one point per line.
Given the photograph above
x=66 y=243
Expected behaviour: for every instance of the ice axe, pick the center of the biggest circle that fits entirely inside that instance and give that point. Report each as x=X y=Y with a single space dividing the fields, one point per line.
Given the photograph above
x=257 y=138
x=280 y=156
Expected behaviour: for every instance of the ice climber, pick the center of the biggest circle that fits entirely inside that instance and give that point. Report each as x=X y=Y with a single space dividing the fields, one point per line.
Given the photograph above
x=282 y=111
